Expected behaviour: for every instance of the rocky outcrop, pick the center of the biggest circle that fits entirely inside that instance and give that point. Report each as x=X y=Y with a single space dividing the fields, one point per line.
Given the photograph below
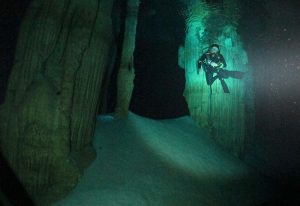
x=48 y=118
x=227 y=117
x=126 y=70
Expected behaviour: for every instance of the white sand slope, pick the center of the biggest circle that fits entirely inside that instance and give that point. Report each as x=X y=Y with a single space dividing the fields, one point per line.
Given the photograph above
x=144 y=162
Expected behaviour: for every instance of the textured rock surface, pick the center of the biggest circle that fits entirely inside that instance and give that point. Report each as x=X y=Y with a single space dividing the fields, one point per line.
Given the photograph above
x=126 y=70
x=48 y=118
x=228 y=117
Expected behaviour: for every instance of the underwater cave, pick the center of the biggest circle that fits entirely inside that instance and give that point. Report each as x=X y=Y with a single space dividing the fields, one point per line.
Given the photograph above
x=103 y=102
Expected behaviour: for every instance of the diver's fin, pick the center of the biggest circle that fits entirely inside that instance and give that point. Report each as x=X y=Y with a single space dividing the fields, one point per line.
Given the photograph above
x=224 y=86
x=236 y=74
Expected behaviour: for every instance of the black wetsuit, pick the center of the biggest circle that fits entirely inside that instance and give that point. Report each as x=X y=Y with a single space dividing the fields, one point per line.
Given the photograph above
x=206 y=61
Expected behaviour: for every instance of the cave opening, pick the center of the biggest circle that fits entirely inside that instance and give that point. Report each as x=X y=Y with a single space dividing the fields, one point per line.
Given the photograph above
x=159 y=82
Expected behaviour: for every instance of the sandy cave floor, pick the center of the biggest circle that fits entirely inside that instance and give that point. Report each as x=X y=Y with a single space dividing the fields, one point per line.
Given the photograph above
x=145 y=162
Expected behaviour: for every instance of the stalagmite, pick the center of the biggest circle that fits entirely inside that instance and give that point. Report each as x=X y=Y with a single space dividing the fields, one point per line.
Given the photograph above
x=126 y=70
x=48 y=118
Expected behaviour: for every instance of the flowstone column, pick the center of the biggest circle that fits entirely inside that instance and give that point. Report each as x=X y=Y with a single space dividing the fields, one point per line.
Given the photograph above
x=227 y=117
x=48 y=118
x=126 y=70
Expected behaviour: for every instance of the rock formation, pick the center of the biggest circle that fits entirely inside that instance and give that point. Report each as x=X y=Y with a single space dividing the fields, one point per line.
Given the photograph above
x=48 y=118
x=126 y=70
x=227 y=117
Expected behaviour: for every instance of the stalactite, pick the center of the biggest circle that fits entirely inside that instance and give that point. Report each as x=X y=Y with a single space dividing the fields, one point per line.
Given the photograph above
x=126 y=71
x=225 y=116
x=48 y=118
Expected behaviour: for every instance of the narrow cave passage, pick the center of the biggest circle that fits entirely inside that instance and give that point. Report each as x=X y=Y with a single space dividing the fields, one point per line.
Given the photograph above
x=159 y=82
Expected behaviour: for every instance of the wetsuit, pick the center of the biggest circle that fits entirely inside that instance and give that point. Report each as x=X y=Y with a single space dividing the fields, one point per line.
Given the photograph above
x=214 y=63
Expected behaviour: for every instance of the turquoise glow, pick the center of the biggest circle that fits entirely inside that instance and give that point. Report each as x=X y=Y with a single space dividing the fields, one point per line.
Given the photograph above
x=187 y=148
x=222 y=114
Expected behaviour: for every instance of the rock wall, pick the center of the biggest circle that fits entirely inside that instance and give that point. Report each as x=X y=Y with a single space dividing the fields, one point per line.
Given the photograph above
x=227 y=117
x=47 y=121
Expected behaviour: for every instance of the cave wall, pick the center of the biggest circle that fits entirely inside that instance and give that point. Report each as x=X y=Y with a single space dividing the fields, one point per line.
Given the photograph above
x=48 y=118
x=227 y=117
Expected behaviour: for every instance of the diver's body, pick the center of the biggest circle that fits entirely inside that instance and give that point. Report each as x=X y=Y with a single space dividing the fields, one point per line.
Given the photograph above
x=214 y=63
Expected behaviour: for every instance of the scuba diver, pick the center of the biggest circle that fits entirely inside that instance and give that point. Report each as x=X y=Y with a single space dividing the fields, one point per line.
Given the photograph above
x=213 y=62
